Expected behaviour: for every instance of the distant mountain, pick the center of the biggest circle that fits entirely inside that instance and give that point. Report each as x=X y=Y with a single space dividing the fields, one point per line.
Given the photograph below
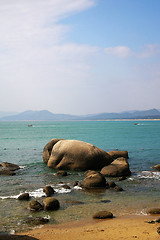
x=45 y=115
x=4 y=114
x=147 y=114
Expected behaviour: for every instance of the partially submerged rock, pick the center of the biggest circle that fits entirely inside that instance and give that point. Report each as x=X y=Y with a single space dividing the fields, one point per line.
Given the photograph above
x=103 y=215
x=24 y=196
x=48 y=190
x=36 y=220
x=51 y=203
x=94 y=180
x=8 y=168
x=118 y=168
x=62 y=173
x=157 y=167
x=35 y=206
x=74 y=155
x=118 y=154
x=6 y=172
x=153 y=211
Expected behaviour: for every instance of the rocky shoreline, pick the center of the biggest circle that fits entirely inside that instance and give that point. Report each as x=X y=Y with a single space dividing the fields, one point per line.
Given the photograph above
x=116 y=166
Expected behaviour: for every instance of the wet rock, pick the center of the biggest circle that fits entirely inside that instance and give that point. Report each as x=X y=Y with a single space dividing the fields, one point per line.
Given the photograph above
x=118 y=168
x=35 y=206
x=103 y=215
x=61 y=173
x=36 y=220
x=6 y=172
x=51 y=203
x=122 y=178
x=73 y=202
x=48 y=190
x=111 y=184
x=157 y=167
x=153 y=211
x=89 y=172
x=10 y=166
x=94 y=180
x=118 y=154
x=75 y=183
x=65 y=186
x=118 y=189
x=24 y=196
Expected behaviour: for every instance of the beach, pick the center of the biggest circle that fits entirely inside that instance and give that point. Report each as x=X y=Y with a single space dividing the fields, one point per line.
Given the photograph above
x=126 y=228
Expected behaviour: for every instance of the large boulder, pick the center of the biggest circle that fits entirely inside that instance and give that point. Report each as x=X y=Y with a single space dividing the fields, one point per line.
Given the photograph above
x=48 y=149
x=117 y=168
x=75 y=155
x=94 y=180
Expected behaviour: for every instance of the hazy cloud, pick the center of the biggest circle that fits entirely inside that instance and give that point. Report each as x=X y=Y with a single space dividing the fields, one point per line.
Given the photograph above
x=119 y=51
x=148 y=51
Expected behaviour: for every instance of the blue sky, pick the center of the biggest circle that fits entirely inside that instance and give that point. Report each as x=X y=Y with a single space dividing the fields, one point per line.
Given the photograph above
x=79 y=56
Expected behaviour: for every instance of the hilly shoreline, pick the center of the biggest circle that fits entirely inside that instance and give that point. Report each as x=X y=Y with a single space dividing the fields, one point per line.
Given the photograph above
x=45 y=115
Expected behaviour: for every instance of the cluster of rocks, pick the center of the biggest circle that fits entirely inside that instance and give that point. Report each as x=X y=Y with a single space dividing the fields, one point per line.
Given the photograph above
x=78 y=155
x=154 y=211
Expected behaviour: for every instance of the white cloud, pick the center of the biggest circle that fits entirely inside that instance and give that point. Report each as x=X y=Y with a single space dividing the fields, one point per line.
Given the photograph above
x=148 y=51
x=35 y=62
x=119 y=51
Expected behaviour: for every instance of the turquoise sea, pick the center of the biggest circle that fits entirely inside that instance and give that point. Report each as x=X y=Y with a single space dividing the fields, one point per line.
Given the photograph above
x=23 y=145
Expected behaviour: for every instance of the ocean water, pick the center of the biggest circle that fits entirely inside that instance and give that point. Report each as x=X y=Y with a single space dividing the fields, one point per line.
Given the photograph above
x=23 y=145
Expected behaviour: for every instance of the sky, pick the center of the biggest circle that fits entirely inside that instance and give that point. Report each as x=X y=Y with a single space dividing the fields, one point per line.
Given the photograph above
x=79 y=56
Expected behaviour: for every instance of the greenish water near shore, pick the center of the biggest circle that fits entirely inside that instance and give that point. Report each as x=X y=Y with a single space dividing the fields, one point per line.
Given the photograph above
x=23 y=145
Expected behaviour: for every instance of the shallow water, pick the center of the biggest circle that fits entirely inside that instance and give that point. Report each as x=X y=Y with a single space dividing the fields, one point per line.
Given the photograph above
x=23 y=145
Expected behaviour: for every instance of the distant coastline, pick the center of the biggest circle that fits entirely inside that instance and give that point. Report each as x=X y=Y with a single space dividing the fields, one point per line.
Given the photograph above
x=45 y=115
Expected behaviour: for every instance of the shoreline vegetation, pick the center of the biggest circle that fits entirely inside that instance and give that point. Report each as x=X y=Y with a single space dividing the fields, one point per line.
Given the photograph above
x=125 y=227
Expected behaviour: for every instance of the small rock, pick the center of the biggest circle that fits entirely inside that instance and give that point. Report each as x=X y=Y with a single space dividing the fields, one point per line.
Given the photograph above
x=153 y=211
x=75 y=183
x=118 y=189
x=122 y=178
x=65 y=186
x=61 y=173
x=103 y=215
x=157 y=167
x=111 y=184
x=48 y=190
x=24 y=196
x=36 y=220
x=94 y=180
x=6 y=172
x=35 y=206
x=158 y=230
x=51 y=203
x=73 y=202
x=10 y=166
